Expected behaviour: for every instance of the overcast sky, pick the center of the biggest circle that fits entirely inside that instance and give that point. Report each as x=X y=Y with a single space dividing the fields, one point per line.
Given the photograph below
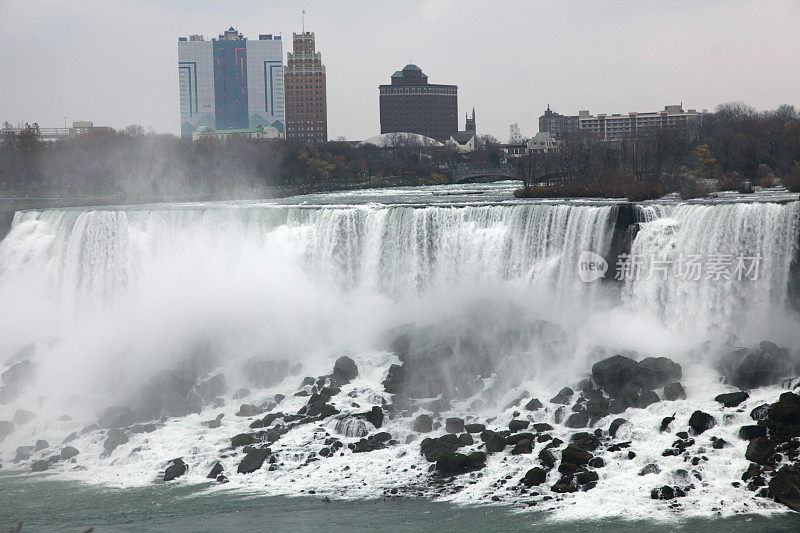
x=115 y=62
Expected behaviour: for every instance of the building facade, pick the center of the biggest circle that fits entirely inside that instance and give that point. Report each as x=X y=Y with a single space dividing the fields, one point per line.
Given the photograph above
x=305 y=84
x=557 y=125
x=231 y=83
x=411 y=104
x=615 y=127
x=515 y=135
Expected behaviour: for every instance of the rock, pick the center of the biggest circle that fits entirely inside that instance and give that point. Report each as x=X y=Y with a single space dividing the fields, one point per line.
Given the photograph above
x=596 y=462
x=465 y=439
x=247 y=409
x=454 y=425
x=533 y=477
x=752 y=432
x=665 y=422
x=564 y=484
x=563 y=396
x=577 y=420
x=345 y=369
x=646 y=398
x=597 y=407
x=749 y=368
x=470 y=428
x=244 y=392
x=432 y=449
x=732 y=399
x=655 y=372
x=718 y=443
x=785 y=486
x=700 y=422
x=452 y=463
x=40 y=466
x=68 y=452
x=760 y=450
x=116 y=437
x=216 y=470
x=243 y=439
x=584 y=478
x=494 y=442
x=351 y=427
x=374 y=416
x=19 y=374
x=518 y=425
x=784 y=416
x=522 y=447
x=615 y=425
x=6 y=428
x=585 y=441
x=547 y=458
x=268 y=373
x=176 y=469
x=651 y=468
x=674 y=391
x=613 y=373
x=253 y=460
x=533 y=405
x=575 y=455
x=542 y=427
x=211 y=388
x=667 y=493
x=41 y=445
x=423 y=424
x=22 y=417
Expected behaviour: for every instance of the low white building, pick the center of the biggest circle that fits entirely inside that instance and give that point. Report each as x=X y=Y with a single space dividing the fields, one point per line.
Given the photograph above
x=208 y=132
x=542 y=142
x=514 y=135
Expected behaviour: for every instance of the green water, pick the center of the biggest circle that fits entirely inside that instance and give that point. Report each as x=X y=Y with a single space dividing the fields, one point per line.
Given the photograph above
x=46 y=504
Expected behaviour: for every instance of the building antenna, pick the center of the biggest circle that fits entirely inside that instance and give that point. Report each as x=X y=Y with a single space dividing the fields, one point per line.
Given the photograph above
x=303 y=16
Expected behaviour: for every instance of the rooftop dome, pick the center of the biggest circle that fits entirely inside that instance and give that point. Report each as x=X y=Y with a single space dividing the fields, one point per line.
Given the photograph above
x=412 y=67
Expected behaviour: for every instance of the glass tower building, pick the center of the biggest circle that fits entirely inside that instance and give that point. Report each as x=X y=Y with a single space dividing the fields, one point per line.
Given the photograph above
x=231 y=83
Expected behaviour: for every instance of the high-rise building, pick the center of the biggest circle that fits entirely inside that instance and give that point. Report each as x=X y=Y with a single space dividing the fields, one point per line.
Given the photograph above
x=617 y=126
x=410 y=104
x=557 y=125
x=231 y=83
x=306 y=102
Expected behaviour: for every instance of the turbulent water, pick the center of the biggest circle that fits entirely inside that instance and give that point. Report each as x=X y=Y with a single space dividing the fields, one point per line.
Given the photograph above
x=112 y=297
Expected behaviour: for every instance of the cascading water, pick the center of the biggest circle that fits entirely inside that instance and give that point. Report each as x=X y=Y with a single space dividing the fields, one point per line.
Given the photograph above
x=113 y=297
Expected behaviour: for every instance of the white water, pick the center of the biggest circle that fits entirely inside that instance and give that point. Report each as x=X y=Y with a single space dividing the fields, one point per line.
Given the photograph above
x=110 y=297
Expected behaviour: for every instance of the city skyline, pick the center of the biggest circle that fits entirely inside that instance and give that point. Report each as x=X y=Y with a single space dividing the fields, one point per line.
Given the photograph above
x=572 y=56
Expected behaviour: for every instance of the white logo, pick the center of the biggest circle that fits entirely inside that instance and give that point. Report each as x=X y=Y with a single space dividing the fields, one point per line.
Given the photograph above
x=591 y=266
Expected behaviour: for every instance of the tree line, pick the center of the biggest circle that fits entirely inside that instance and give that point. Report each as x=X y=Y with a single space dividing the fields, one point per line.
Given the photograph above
x=733 y=148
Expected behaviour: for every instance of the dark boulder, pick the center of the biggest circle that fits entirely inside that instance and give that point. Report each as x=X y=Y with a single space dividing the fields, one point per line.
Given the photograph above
x=655 y=372
x=176 y=469
x=253 y=460
x=577 y=420
x=749 y=368
x=732 y=399
x=494 y=442
x=41 y=445
x=547 y=458
x=584 y=478
x=752 y=432
x=469 y=428
x=565 y=484
x=563 y=396
x=68 y=452
x=433 y=448
x=243 y=439
x=216 y=470
x=760 y=450
x=613 y=373
x=524 y=446
x=667 y=493
x=574 y=455
x=597 y=407
x=454 y=425
x=651 y=468
x=423 y=424
x=395 y=379
x=646 y=399
x=784 y=416
x=345 y=369
x=533 y=477
x=374 y=416
x=542 y=427
x=40 y=466
x=785 y=487
x=674 y=391
x=585 y=441
x=247 y=409
x=665 y=422
x=760 y=413
x=518 y=425
x=378 y=441
x=19 y=374
x=700 y=422
x=533 y=405
x=115 y=438
x=615 y=425
x=211 y=388
x=453 y=463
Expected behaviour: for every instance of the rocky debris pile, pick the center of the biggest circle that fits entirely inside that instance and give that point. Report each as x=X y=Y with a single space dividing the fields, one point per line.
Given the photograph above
x=453 y=463
x=749 y=368
x=774 y=451
x=629 y=383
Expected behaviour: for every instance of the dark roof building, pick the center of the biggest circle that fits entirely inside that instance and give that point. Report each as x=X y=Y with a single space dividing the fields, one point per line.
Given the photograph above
x=410 y=104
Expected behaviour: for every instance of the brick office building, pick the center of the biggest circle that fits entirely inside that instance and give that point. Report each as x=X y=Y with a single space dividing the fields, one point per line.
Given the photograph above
x=304 y=83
